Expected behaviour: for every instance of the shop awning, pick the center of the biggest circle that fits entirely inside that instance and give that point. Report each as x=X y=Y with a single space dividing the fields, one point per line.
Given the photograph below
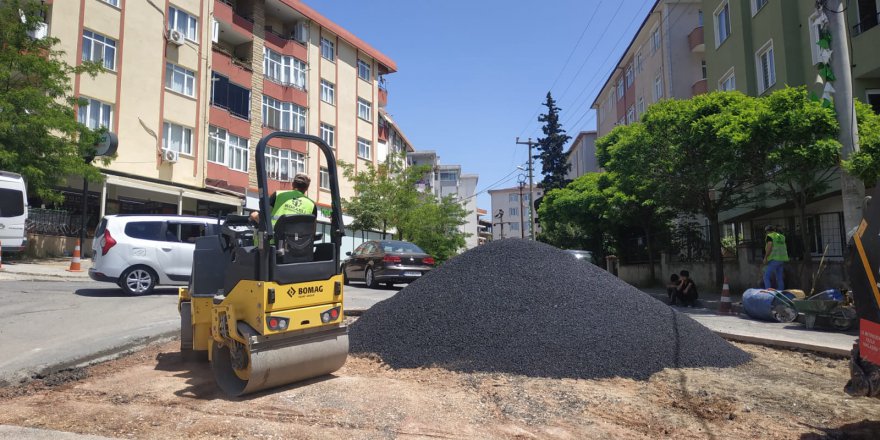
x=172 y=190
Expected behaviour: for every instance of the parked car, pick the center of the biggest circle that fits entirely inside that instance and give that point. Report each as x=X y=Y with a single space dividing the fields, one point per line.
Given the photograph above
x=13 y=212
x=386 y=261
x=140 y=252
x=581 y=255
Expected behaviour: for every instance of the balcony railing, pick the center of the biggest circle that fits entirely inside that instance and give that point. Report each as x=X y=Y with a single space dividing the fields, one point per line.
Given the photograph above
x=695 y=40
x=866 y=23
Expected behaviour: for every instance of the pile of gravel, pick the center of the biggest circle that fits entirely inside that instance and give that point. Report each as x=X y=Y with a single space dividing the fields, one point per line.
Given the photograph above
x=522 y=307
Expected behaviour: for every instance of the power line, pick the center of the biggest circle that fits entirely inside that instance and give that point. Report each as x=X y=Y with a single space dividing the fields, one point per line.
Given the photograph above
x=504 y=179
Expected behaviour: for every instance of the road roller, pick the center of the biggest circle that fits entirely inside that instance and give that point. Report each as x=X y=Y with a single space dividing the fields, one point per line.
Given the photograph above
x=863 y=272
x=265 y=302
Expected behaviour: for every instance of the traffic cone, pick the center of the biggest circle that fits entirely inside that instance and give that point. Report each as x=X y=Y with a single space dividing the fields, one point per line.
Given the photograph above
x=724 y=306
x=75 y=263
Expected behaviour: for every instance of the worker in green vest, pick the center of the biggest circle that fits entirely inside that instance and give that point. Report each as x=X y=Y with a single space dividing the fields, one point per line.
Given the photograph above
x=291 y=202
x=775 y=256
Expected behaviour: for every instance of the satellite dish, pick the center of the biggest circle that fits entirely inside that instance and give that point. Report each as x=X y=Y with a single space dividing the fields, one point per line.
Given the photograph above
x=106 y=146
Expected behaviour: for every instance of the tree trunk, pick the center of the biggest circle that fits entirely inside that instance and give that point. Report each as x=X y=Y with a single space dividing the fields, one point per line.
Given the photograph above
x=715 y=245
x=647 y=230
x=806 y=256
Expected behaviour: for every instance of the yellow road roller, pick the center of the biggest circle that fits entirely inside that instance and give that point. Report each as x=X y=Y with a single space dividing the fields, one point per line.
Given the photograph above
x=265 y=302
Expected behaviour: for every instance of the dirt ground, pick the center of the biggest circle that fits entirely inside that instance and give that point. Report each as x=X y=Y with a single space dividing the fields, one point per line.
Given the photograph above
x=154 y=394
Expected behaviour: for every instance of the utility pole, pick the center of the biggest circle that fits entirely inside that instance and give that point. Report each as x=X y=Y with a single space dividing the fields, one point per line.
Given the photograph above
x=852 y=189
x=500 y=217
x=522 y=228
x=531 y=185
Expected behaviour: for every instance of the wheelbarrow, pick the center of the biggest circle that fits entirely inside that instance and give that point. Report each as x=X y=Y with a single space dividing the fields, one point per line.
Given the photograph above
x=841 y=316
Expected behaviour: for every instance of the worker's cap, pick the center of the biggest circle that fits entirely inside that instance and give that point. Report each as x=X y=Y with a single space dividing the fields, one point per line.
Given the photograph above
x=301 y=180
x=769 y=228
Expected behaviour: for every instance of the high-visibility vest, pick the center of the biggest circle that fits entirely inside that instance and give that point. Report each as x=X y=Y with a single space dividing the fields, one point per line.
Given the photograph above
x=779 y=251
x=291 y=203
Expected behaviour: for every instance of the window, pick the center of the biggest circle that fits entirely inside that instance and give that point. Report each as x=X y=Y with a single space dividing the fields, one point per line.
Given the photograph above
x=328 y=92
x=285 y=70
x=630 y=76
x=285 y=116
x=328 y=49
x=513 y=198
x=728 y=81
x=514 y=226
x=641 y=106
x=217 y=145
x=283 y=165
x=230 y=96
x=12 y=203
x=448 y=176
x=703 y=71
x=722 y=23
x=872 y=98
x=95 y=114
x=640 y=63
x=145 y=230
x=620 y=89
x=227 y=149
x=526 y=197
x=631 y=114
x=757 y=5
x=364 y=147
x=177 y=137
x=184 y=23
x=700 y=17
x=324 y=179
x=112 y=2
x=180 y=80
x=180 y=232
x=513 y=211
x=365 y=109
x=658 y=87
x=99 y=48
x=655 y=40
x=364 y=72
x=328 y=133
x=765 y=67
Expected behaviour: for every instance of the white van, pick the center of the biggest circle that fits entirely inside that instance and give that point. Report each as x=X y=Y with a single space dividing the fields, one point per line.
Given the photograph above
x=13 y=212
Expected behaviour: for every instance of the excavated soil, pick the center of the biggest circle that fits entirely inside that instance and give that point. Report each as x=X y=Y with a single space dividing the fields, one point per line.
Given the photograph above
x=154 y=394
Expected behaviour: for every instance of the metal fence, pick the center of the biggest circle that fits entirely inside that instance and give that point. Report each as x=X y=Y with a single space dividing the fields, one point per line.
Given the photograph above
x=53 y=222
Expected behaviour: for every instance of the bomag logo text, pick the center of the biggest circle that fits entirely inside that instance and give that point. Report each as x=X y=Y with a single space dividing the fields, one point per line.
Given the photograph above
x=311 y=290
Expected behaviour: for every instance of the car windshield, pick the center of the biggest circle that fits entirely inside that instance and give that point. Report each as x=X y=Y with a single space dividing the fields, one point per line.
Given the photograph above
x=400 y=247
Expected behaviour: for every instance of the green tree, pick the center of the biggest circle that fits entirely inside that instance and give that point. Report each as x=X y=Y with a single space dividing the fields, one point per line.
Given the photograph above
x=383 y=194
x=433 y=224
x=554 y=166
x=866 y=163
x=576 y=216
x=804 y=155
x=40 y=137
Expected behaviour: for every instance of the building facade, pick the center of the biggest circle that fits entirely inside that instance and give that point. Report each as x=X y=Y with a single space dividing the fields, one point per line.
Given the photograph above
x=510 y=211
x=664 y=60
x=190 y=86
x=581 y=156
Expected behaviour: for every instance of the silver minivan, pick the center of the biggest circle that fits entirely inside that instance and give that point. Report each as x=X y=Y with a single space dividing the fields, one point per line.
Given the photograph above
x=13 y=212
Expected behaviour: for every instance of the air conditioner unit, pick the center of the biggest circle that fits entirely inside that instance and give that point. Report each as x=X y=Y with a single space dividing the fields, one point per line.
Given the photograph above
x=301 y=31
x=169 y=155
x=175 y=37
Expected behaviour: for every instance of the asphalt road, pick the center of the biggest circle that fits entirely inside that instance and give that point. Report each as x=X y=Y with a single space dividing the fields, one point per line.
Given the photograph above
x=46 y=326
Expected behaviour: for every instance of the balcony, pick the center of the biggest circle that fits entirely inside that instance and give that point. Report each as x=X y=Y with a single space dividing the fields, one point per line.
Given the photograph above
x=866 y=22
x=226 y=12
x=699 y=87
x=695 y=40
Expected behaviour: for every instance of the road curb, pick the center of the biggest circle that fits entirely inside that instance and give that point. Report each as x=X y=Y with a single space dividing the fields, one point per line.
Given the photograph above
x=784 y=344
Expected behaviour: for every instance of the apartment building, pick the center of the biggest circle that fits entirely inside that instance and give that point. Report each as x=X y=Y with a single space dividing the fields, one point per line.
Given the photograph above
x=758 y=46
x=581 y=156
x=510 y=211
x=665 y=59
x=190 y=86
x=392 y=141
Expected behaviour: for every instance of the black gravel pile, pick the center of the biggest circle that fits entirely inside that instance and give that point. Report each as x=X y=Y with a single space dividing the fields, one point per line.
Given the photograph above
x=527 y=308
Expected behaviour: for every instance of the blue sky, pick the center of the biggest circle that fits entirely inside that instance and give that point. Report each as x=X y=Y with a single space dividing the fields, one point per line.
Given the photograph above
x=472 y=74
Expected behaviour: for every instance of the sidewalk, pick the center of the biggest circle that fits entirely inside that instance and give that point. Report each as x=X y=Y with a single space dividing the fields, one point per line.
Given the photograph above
x=48 y=269
x=744 y=329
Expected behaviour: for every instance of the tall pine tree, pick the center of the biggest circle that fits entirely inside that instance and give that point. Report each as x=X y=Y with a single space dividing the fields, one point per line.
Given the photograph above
x=554 y=167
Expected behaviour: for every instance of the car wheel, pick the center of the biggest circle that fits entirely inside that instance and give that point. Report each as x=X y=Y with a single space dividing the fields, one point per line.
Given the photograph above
x=138 y=280
x=369 y=279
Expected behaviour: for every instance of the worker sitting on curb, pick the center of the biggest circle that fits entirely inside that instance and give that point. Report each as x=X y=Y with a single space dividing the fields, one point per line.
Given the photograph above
x=686 y=292
x=291 y=202
x=775 y=256
x=674 y=282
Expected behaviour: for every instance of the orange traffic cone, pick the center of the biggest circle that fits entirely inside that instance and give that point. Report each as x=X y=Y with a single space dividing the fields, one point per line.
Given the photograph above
x=75 y=263
x=724 y=306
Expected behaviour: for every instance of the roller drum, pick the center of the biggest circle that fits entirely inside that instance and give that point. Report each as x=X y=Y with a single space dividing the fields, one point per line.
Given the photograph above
x=278 y=360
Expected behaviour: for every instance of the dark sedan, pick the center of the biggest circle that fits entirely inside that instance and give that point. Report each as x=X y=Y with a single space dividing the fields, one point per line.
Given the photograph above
x=386 y=261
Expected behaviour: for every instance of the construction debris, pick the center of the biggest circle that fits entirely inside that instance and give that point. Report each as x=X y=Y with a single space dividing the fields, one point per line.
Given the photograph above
x=528 y=308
